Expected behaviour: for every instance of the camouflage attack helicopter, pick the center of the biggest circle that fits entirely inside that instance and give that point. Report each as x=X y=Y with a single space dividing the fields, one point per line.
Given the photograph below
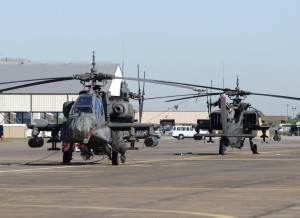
x=94 y=123
x=100 y=126
x=236 y=120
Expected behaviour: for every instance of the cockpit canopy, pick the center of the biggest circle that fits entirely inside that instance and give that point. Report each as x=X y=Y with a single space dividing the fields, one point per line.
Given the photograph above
x=88 y=103
x=83 y=104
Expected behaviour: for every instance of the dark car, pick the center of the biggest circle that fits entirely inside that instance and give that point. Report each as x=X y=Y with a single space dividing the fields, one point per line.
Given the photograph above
x=294 y=131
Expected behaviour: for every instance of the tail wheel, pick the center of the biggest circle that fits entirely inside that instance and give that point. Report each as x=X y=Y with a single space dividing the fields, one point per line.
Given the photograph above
x=67 y=154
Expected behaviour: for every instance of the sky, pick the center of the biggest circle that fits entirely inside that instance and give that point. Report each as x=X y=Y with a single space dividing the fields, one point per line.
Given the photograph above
x=192 y=41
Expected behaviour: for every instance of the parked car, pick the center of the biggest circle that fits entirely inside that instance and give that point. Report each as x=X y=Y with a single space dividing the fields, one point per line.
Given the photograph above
x=167 y=131
x=294 y=131
x=157 y=134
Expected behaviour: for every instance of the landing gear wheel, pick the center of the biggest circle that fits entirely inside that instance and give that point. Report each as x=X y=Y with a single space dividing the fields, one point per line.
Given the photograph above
x=118 y=144
x=115 y=158
x=254 y=149
x=277 y=138
x=123 y=158
x=222 y=147
x=67 y=155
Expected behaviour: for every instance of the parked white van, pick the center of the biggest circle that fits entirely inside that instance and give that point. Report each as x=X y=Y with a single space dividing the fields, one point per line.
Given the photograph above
x=182 y=132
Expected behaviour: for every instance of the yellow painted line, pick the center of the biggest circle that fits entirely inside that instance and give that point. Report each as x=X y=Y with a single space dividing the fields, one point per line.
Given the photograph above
x=120 y=209
x=212 y=158
x=130 y=189
x=290 y=150
x=242 y=159
x=38 y=169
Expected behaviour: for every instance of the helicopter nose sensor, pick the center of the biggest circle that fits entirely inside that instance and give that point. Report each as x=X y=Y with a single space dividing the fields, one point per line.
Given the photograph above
x=78 y=127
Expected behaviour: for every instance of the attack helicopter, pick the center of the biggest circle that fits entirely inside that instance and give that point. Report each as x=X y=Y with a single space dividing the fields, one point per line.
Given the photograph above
x=95 y=123
x=115 y=124
x=236 y=120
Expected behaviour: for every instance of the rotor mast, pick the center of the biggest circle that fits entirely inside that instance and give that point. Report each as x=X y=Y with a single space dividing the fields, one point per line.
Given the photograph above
x=237 y=90
x=93 y=73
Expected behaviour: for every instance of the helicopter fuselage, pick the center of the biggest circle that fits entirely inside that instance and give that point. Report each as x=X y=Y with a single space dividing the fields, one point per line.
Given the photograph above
x=235 y=122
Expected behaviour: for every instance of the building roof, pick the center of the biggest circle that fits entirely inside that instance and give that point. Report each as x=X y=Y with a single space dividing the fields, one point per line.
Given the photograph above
x=274 y=118
x=13 y=71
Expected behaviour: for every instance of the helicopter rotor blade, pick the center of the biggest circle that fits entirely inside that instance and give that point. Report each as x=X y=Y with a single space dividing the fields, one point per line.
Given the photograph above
x=30 y=80
x=142 y=98
x=195 y=96
x=210 y=98
x=275 y=96
x=101 y=76
x=168 y=96
x=209 y=110
x=139 y=95
x=58 y=79
x=139 y=87
x=207 y=103
x=170 y=83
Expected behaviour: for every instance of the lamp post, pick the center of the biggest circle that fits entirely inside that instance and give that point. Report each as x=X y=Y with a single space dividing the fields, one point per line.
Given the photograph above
x=293 y=108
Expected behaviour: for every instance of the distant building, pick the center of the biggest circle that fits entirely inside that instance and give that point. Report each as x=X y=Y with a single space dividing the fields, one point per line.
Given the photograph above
x=282 y=119
x=171 y=118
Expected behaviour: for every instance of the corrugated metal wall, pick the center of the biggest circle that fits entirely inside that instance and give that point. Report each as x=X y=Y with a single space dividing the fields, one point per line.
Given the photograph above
x=14 y=102
x=34 y=103
x=48 y=102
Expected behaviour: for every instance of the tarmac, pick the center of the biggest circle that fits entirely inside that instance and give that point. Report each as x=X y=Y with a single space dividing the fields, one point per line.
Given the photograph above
x=178 y=178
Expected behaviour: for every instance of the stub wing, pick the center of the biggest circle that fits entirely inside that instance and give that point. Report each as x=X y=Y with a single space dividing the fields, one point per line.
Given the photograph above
x=137 y=131
x=257 y=127
x=140 y=130
x=225 y=135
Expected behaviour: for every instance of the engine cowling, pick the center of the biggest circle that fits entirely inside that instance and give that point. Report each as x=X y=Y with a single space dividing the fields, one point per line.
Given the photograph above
x=36 y=142
x=197 y=137
x=122 y=111
x=151 y=141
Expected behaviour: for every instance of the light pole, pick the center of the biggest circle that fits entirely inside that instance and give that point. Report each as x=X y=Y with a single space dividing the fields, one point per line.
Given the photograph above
x=293 y=108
